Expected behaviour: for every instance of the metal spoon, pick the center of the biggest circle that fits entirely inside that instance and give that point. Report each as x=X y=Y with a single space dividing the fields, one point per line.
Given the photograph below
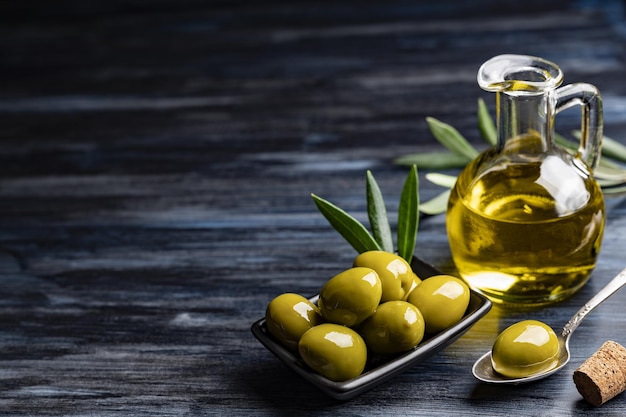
x=483 y=369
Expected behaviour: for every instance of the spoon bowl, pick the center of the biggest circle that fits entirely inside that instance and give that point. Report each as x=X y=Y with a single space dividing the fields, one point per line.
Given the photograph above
x=483 y=368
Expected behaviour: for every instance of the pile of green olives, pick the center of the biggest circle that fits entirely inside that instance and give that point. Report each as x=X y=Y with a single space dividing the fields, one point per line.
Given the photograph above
x=378 y=307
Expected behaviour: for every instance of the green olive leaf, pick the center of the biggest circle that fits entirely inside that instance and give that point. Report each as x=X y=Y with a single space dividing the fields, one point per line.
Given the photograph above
x=486 y=126
x=449 y=137
x=437 y=204
x=442 y=180
x=573 y=148
x=606 y=184
x=350 y=228
x=614 y=190
x=610 y=147
x=377 y=214
x=433 y=160
x=614 y=175
x=608 y=163
x=408 y=215
x=613 y=149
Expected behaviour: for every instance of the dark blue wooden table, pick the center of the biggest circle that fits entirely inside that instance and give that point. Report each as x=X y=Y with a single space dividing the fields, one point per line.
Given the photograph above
x=156 y=165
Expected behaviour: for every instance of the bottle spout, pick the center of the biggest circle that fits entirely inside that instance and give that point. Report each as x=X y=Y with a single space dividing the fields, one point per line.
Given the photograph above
x=519 y=75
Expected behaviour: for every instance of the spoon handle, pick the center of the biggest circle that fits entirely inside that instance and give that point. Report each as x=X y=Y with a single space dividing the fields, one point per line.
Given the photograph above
x=615 y=284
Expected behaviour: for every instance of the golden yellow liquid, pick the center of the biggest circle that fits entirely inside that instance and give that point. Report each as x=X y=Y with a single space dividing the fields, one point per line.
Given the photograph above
x=525 y=232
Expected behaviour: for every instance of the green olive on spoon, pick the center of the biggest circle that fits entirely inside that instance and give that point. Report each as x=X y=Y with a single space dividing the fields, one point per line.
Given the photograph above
x=483 y=369
x=525 y=348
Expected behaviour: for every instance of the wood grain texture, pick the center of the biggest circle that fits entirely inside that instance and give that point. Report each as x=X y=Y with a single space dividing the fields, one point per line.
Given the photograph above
x=156 y=165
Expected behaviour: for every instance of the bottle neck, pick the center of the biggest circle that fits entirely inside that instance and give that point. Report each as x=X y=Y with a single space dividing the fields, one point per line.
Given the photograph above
x=525 y=122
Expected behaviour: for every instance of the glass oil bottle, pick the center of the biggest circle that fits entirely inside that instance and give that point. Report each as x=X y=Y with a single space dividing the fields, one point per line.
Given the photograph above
x=525 y=219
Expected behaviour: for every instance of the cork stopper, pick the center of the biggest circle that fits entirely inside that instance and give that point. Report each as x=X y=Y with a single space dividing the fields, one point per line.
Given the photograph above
x=603 y=375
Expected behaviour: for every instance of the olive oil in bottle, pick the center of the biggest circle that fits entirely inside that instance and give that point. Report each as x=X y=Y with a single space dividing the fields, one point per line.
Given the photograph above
x=525 y=218
x=529 y=245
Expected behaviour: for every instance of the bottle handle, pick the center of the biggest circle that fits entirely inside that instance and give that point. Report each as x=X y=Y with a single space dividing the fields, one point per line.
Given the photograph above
x=588 y=97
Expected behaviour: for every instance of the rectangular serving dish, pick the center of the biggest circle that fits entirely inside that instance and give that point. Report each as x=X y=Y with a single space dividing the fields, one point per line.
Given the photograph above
x=479 y=305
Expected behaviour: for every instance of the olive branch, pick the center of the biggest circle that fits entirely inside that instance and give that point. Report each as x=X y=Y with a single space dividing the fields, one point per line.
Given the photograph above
x=609 y=173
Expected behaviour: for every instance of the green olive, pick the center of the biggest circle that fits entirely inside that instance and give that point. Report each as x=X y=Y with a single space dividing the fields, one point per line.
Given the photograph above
x=394 y=272
x=442 y=299
x=337 y=352
x=416 y=281
x=288 y=316
x=351 y=296
x=525 y=348
x=395 y=327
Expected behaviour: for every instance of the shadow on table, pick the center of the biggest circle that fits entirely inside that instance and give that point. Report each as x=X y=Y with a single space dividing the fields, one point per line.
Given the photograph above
x=280 y=389
x=545 y=395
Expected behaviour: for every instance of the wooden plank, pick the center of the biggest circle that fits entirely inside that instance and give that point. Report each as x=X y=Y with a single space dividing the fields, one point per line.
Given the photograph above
x=156 y=165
